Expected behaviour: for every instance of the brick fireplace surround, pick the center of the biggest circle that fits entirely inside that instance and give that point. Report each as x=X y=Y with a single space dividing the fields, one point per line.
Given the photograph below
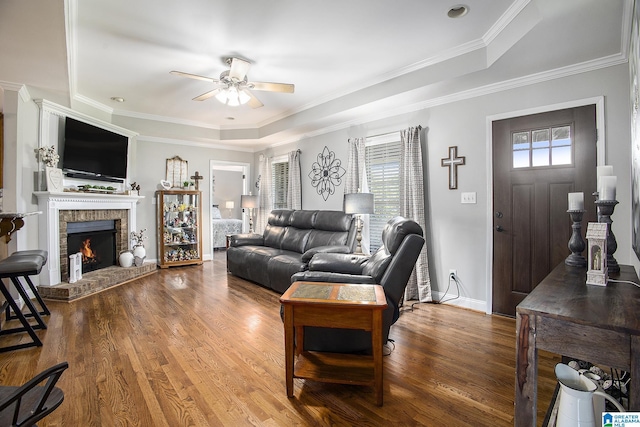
x=59 y=210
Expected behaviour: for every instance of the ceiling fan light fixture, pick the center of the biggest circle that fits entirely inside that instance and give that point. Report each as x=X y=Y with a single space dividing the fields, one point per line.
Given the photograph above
x=243 y=96
x=222 y=96
x=232 y=97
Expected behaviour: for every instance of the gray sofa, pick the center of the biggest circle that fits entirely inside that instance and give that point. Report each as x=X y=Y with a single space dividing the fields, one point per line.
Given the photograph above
x=290 y=239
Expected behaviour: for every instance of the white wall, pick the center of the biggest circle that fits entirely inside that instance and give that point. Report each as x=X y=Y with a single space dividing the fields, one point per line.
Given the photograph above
x=460 y=235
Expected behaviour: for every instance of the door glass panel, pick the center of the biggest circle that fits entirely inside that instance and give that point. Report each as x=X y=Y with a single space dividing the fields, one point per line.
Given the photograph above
x=561 y=155
x=542 y=147
x=561 y=152
x=540 y=138
x=521 y=147
x=521 y=159
x=540 y=157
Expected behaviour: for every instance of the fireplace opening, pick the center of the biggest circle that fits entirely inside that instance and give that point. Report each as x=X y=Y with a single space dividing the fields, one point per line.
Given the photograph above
x=95 y=240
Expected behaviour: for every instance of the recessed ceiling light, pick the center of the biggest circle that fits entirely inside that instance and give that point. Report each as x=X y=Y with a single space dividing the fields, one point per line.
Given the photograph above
x=230 y=118
x=458 y=11
x=117 y=99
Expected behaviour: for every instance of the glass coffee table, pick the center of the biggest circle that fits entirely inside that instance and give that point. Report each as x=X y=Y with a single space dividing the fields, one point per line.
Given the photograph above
x=333 y=305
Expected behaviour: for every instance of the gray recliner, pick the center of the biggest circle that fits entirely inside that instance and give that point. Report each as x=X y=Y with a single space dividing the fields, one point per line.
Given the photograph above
x=390 y=266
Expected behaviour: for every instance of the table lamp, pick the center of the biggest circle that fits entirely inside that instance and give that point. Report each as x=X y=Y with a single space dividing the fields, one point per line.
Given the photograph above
x=247 y=201
x=359 y=204
x=229 y=205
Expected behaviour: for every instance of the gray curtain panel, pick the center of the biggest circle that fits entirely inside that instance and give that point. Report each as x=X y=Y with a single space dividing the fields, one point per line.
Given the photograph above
x=355 y=165
x=412 y=206
x=294 y=188
x=266 y=204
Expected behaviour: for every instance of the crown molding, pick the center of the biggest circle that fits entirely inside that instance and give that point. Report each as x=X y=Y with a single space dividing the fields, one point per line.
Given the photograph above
x=61 y=111
x=189 y=143
x=609 y=61
x=501 y=24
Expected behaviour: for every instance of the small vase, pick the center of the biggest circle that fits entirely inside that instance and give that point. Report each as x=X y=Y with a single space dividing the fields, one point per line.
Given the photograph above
x=126 y=259
x=139 y=254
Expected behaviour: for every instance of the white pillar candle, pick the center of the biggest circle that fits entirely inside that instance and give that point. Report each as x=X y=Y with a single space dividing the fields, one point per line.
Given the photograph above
x=607 y=190
x=576 y=201
x=601 y=171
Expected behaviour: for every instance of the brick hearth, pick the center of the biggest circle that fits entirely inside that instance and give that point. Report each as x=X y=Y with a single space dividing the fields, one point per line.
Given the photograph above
x=95 y=281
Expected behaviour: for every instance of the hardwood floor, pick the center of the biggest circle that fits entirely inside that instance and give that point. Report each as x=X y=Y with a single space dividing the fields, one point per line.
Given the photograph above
x=193 y=346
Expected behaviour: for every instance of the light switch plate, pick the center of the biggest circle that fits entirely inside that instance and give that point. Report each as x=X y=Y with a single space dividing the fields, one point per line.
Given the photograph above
x=469 y=197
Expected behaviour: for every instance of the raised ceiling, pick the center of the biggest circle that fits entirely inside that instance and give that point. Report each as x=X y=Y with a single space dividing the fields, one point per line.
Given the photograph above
x=350 y=61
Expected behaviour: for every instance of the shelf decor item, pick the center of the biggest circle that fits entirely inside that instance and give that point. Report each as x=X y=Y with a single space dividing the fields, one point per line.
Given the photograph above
x=605 y=210
x=126 y=259
x=51 y=178
x=177 y=171
x=597 y=264
x=139 y=251
x=576 y=243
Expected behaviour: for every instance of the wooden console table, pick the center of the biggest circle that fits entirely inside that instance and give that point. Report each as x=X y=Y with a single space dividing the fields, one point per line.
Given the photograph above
x=333 y=305
x=563 y=315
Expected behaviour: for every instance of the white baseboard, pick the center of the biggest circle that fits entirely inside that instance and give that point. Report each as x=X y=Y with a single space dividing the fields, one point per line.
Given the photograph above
x=464 y=302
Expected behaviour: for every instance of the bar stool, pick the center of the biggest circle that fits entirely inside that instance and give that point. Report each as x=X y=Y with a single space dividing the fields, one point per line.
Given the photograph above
x=23 y=264
x=30 y=253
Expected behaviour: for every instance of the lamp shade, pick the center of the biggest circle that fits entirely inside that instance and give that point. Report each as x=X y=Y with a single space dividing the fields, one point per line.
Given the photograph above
x=248 y=201
x=230 y=204
x=359 y=203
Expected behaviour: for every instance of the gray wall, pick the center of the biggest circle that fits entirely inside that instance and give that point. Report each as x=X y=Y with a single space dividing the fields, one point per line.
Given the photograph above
x=152 y=157
x=460 y=236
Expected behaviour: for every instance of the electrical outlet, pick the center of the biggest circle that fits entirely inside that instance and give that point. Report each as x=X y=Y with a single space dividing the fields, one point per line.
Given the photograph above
x=469 y=197
x=453 y=272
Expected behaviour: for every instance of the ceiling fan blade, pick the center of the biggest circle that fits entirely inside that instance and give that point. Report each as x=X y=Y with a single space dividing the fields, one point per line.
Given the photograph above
x=206 y=95
x=193 y=76
x=272 y=87
x=253 y=102
x=239 y=68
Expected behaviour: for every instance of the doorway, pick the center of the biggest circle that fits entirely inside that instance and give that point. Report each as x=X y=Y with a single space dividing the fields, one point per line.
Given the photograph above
x=229 y=180
x=537 y=160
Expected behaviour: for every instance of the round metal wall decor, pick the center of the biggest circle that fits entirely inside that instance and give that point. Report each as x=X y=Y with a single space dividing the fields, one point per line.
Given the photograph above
x=326 y=173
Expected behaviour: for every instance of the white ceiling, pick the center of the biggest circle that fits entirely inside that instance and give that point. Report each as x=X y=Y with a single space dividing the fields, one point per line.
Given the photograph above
x=348 y=60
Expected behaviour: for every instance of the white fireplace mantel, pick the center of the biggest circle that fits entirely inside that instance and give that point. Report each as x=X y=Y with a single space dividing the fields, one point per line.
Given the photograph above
x=49 y=230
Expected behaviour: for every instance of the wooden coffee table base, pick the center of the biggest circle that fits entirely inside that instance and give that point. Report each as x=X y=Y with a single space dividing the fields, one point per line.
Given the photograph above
x=333 y=310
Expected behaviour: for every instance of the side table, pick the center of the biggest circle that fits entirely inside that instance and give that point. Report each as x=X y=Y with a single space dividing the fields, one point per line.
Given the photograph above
x=333 y=305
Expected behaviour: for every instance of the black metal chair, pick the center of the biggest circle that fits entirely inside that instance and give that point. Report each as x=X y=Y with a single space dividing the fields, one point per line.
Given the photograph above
x=23 y=406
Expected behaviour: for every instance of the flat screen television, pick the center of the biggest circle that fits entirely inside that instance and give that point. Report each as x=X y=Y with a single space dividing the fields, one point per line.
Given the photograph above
x=93 y=153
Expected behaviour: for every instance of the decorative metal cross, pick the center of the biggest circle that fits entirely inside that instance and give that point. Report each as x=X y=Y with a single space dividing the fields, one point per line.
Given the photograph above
x=452 y=162
x=196 y=178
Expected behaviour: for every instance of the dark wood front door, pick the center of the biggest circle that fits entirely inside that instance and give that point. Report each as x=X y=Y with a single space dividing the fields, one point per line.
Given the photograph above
x=537 y=161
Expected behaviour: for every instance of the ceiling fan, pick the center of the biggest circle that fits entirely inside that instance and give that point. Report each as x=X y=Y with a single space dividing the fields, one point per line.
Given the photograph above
x=233 y=86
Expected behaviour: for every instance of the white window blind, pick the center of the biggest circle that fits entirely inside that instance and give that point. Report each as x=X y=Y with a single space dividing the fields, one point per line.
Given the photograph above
x=280 y=172
x=383 y=173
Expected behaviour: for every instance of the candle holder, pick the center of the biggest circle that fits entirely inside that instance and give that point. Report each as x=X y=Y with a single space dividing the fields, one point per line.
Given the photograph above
x=605 y=210
x=576 y=243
